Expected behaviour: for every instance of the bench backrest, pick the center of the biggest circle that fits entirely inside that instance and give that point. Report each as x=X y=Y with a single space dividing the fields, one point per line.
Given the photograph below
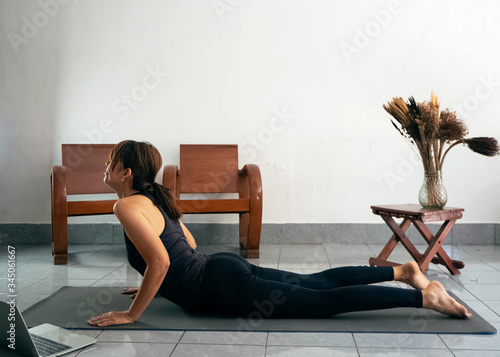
x=208 y=169
x=85 y=166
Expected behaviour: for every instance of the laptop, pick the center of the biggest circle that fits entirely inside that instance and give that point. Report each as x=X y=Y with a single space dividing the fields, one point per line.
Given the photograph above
x=45 y=340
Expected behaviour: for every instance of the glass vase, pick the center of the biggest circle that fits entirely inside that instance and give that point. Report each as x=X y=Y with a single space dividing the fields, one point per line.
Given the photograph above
x=432 y=193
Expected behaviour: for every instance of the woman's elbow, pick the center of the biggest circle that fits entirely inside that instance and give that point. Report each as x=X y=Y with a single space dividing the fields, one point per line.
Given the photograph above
x=160 y=265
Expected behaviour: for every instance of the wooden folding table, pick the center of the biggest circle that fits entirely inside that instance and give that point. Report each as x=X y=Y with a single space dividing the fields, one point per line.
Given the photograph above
x=413 y=213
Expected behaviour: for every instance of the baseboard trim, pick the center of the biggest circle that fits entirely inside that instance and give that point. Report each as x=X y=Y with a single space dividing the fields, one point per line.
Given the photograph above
x=272 y=233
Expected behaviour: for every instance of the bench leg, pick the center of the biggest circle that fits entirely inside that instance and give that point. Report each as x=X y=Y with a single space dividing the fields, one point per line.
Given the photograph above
x=60 y=242
x=249 y=237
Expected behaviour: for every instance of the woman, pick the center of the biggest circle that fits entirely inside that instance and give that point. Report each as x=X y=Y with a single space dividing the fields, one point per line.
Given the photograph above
x=162 y=250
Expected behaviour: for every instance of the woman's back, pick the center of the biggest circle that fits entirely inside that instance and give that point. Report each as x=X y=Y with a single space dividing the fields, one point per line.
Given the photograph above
x=183 y=278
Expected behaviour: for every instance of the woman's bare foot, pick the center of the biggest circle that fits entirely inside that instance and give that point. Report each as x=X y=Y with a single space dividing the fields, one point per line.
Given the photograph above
x=436 y=298
x=410 y=274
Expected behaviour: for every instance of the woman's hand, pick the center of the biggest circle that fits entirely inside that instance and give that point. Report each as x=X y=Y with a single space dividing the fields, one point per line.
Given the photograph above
x=111 y=318
x=132 y=291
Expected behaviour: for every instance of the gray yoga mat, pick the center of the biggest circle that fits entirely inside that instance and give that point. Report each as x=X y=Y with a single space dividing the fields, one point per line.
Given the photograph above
x=71 y=307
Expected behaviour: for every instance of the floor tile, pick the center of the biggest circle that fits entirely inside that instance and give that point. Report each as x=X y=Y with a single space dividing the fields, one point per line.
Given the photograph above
x=19 y=284
x=80 y=272
x=404 y=352
x=399 y=340
x=461 y=292
x=106 y=258
x=271 y=251
x=479 y=277
x=473 y=342
x=290 y=351
x=486 y=253
x=298 y=266
x=478 y=266
x=265 y=262
x=32 y=259
x=349 y=261
x=88 y=248
x=313 y=252
x=310 y=339
x=120 y=349
x=38 y=270
x=124 y=283
x=124 y=272
x=140 y=336
x=51 y=284
x=495 y=265
x=471 y=353
x=485 y=292
x=91 y=333
x=494 y=305
x=309 y=257
x=457 y=253
x=183 y=350
x=25 y=301
x=225 y=338
x=484 y=311
x=339 y=250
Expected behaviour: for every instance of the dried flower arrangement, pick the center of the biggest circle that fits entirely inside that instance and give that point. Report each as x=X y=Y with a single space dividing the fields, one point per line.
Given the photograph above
x=434 y=134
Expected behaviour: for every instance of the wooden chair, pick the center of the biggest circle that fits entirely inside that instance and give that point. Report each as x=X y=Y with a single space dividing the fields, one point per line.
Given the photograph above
x=81 y=172
x=214 y=169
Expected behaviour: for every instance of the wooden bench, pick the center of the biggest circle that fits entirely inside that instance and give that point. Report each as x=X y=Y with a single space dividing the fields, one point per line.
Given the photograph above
x=81 y=172
x=214 y=169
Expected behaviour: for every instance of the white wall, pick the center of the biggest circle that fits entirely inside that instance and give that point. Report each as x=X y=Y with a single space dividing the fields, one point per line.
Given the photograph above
x=235 y=67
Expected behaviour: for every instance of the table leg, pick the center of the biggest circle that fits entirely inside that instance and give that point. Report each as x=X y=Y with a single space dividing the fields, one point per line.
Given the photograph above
x=435 y=247
x=402 y=235
x=381 y=259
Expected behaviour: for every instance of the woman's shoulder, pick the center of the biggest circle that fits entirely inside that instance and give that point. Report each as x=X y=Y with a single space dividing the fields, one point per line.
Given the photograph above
x=133 y=202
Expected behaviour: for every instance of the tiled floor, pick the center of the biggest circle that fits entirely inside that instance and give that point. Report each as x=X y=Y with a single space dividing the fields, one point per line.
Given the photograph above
x=100 y=265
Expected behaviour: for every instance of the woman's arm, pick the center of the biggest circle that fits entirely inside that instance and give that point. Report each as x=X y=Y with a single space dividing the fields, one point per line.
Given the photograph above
x=152 y=250
x=188 y=235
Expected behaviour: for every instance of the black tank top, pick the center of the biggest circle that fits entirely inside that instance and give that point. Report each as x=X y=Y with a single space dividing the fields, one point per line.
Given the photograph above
x=182 y=282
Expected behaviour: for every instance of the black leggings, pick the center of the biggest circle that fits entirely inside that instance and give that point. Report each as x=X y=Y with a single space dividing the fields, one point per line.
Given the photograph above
x=233 y=286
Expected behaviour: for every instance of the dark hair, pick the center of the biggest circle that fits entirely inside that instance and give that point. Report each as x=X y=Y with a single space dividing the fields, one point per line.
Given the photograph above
x=145 y=161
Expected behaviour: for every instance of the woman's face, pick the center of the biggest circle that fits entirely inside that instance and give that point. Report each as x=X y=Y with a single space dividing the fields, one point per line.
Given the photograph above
x=112 y=177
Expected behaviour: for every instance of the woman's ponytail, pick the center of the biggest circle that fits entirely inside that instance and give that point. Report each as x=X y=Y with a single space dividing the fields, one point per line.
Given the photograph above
x=165 y=199
x=145 y=162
